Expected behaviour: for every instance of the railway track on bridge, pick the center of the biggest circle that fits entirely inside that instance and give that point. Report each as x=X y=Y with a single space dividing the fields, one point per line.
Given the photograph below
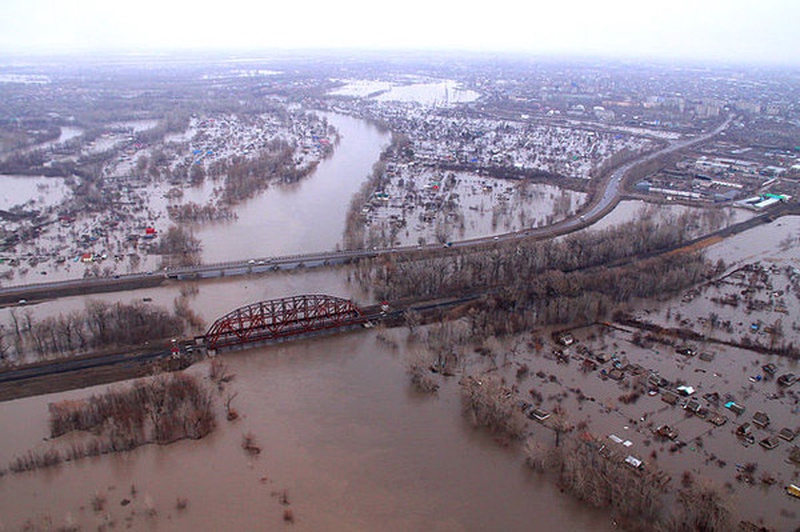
x=88 y=370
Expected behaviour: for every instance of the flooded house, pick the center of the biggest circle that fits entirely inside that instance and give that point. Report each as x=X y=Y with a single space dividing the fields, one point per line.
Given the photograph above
x=735 y=408
x=669 y=397
x=761 y=420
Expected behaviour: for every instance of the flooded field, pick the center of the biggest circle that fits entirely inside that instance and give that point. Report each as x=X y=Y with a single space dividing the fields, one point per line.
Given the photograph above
x=618 y=381
x=425 y=206
x=341 y=434
x=67 y=133
x=31 y=192
x=352 y=446
x=756 y=302
x=758 y=291
x=701 y=451
x=417 y=91
x=629 y=210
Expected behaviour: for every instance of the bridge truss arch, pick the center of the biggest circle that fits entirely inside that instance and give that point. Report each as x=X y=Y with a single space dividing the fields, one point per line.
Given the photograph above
x=278 y=318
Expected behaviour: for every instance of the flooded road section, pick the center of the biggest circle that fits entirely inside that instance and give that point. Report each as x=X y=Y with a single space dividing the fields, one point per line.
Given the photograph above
x=341 y=435
x=306 y=216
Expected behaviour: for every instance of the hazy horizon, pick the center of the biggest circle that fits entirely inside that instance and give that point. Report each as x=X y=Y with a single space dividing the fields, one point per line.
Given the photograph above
x=735 y=31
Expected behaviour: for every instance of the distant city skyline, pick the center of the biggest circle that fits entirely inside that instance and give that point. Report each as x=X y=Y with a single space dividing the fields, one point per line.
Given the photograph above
x=746 y=31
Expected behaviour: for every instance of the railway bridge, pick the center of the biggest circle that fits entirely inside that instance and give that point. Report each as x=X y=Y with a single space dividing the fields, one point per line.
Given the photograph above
x=282 y=318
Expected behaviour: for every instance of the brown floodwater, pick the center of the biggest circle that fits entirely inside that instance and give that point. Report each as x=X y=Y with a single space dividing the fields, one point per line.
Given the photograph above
x=713 y=454
x=285 y=219
x=340 y=430
x=306 y=216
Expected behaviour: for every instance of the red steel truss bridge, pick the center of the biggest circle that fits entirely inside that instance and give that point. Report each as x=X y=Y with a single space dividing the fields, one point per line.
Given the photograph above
x=281 y=318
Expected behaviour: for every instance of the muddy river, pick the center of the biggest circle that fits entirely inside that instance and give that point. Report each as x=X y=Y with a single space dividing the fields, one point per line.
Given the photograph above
x=306 y=216
x=302 y=217
x=341 y=432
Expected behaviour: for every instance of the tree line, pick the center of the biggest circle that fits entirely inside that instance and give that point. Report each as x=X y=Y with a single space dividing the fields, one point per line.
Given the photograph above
x=247 y=176
x=355 y=231
x=161 y=409
x=178 y=247
x=99 y=325
x=566 y=281
x=194 y=212
x=519 y=262
x=634 y=497
x=575 y=298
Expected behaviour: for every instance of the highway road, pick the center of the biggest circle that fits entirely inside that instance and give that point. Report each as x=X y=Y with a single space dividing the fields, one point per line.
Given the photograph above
x=602 y=203
x=611 y=193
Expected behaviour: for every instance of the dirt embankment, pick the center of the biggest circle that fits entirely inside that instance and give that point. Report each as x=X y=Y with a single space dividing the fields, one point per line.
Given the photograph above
x=12 y=295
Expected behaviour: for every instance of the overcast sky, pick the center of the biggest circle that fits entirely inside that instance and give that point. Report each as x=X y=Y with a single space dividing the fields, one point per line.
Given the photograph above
x=730 y=30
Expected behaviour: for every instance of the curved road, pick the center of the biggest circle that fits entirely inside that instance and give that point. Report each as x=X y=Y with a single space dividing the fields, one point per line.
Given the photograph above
x=610 y=194
x=600 y=206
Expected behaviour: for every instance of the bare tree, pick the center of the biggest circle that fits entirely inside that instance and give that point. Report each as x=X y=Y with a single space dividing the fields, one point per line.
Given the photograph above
x=702 y=508
x=488 y=403
x=3 y=346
